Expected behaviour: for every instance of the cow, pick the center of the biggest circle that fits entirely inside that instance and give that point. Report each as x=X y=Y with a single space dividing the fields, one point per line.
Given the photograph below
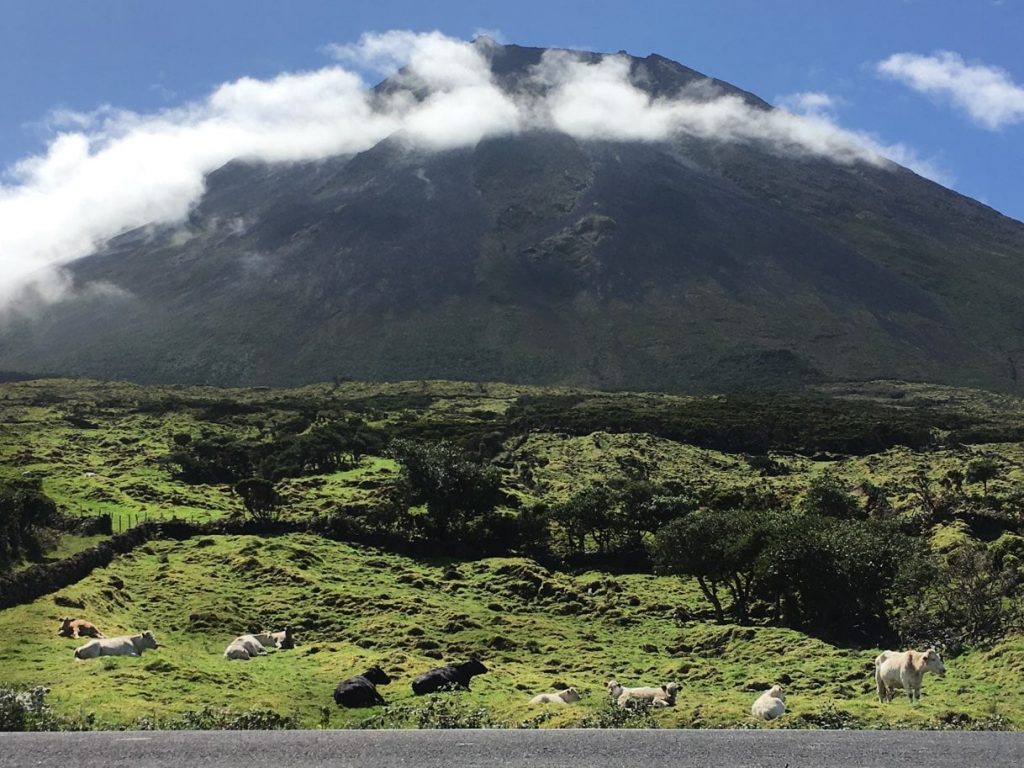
x=126 y=645
x=70 y=627
x=282 y=639
x=614 y=689
x=245 y=647
x=905 y=669
x=361 y=690
x=770 y=704
x=655 y=696
x=559 y=698
x=453 y=675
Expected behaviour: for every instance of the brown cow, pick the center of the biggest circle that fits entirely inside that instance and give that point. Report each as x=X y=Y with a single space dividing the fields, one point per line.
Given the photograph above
x=70 y=627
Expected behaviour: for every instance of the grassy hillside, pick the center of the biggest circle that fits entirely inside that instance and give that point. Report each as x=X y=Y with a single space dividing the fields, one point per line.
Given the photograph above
x=107 y=448
x=537 y=631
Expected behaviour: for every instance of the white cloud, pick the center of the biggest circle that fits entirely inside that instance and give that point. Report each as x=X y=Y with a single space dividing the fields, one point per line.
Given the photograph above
x=113 y=170
x=987 y=94
x=809 y=102
x=821 y=108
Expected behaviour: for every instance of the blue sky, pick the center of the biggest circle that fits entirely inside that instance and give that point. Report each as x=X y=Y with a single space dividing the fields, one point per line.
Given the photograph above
x=80 y=55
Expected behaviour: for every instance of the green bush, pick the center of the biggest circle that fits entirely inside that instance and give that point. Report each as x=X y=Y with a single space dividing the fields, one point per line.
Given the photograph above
x=439 y=711
x=24 y=510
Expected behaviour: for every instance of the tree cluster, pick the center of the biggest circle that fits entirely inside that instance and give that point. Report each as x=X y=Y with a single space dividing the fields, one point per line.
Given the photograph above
x=25 y=510
x=324 y=447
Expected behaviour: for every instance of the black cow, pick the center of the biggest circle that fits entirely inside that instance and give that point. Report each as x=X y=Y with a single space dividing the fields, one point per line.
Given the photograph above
x=454 y=675
x=361 y=690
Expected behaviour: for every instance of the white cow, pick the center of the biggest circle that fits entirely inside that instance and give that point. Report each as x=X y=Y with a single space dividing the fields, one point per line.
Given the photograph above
x=656 y=696
x=245 y=647
x=770 y=704
x=282 y=639
x=568 y=696
x=905 y=669
x=126 y=645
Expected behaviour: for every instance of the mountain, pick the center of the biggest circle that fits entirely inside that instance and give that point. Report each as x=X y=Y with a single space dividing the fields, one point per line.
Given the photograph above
x=686 y=264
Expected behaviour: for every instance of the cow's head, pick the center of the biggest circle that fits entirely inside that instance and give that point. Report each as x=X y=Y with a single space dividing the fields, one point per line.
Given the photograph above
x=933 y=662
x=377 y=676
x=65 y=626
x=474 y=666
x=570 y=694
x=776 y=692
x=147 y=640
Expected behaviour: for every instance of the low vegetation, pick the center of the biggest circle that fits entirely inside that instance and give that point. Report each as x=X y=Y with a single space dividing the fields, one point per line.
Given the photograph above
x=567 y=536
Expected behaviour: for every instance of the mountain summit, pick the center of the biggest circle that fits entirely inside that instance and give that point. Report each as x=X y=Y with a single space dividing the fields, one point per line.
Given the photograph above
x=692 y=259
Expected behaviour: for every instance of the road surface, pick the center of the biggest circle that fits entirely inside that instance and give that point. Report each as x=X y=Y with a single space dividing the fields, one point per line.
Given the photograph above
x=512 y=749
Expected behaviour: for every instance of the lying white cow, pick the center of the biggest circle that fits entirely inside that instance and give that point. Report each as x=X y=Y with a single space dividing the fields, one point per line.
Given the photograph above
x=655 y=696
x=282 y=639
x=245 y=647
x=770 y=704
x=904 y=669
x=126 y=645
x=568 y=696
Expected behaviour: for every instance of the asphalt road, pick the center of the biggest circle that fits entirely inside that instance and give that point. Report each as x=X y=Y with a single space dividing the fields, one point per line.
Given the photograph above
x=512 y=749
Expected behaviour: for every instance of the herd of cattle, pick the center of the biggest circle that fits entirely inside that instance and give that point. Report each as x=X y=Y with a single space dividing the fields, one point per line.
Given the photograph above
x=893 y=670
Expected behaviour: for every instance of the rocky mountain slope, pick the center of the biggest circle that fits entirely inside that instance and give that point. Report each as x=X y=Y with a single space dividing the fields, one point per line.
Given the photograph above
x=688 y=264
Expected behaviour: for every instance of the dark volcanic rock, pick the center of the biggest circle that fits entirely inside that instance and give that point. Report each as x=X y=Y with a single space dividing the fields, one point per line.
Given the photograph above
x=683 y=265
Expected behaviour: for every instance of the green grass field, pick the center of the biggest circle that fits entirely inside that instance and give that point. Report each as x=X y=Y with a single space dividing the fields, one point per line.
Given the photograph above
x=102 y=448
x=536 y=630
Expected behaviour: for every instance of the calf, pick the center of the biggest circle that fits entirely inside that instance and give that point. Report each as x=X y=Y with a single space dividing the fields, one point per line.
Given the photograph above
x=361 y=690
x=560 y=698
x=452 y=676
x=126 y=645
x=70 y=627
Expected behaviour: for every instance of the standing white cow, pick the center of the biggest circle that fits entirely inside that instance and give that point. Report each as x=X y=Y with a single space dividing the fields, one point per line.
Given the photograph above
x=126 y=645
x=904 y=669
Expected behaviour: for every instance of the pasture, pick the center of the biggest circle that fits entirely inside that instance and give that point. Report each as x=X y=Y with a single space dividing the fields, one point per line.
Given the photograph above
x=106 y=449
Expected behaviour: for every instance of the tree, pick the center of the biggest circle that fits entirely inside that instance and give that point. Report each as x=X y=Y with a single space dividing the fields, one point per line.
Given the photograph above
x=718 y=548
x=586 y=513
x=832 y=575
x=24 y=510
x=968 y=597
x=982 y=471
x=453 y=487
x=827 y=496
x=260 y=498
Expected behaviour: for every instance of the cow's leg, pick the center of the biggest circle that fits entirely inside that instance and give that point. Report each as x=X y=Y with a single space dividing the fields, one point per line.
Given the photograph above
x=881 y=688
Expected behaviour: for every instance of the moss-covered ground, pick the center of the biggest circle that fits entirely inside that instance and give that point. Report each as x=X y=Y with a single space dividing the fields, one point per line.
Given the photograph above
x=102 y=448
x=536 y=630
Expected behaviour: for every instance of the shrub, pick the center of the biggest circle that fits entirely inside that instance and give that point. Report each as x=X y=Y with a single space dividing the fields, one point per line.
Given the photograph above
x=24 y=510
x=210 y=719
x=260 y=498
x=439 y=711
x=614 y=716
x=969 y=597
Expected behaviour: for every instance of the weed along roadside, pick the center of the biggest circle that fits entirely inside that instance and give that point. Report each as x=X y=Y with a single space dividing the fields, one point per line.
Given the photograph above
x=700 y=557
